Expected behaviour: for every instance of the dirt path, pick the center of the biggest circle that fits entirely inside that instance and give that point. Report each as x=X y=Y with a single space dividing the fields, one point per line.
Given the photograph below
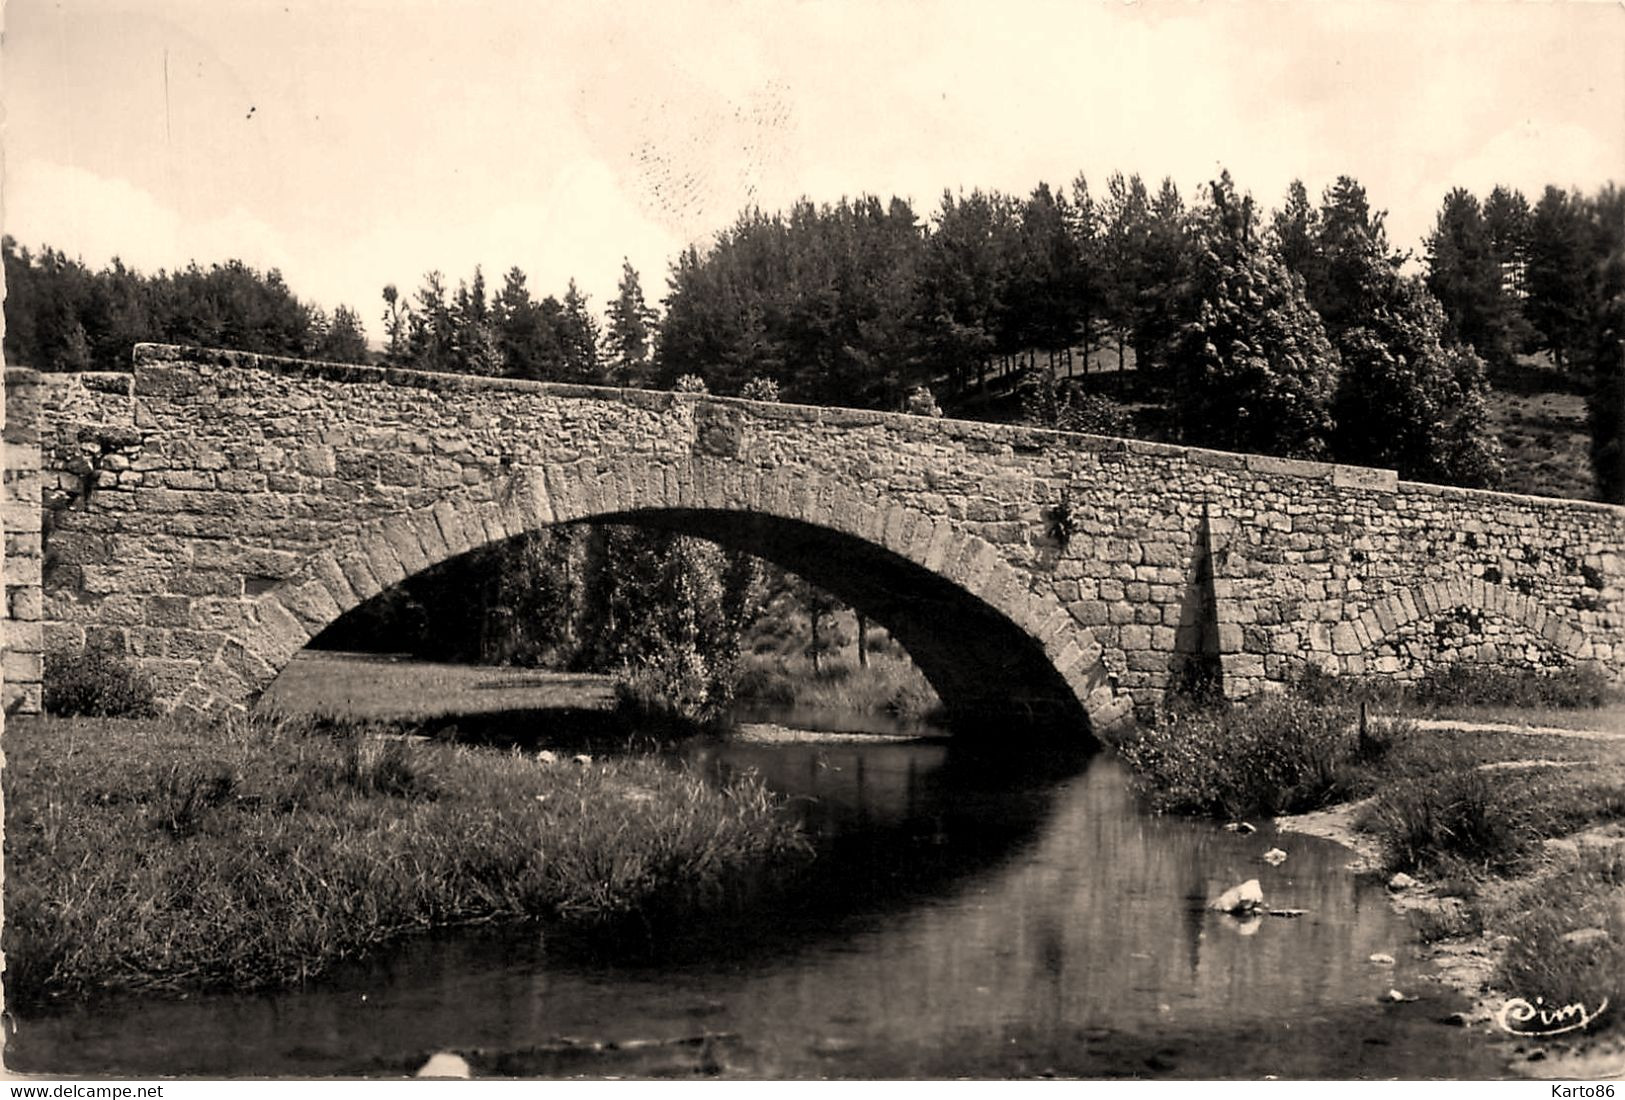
x=1513 y=727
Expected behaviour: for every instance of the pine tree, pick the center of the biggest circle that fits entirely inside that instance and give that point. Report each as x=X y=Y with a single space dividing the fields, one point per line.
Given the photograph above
x=1255 y=370
x=578 y=338
x=629 y=339
x=1560 y=304
x=1466 y=278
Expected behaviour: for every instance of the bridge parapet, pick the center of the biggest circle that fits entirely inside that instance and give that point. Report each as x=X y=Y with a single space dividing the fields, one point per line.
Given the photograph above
x=184 y=500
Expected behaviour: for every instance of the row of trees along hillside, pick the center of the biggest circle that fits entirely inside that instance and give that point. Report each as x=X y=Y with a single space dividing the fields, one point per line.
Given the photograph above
x=1296 y=334
x=62 y=316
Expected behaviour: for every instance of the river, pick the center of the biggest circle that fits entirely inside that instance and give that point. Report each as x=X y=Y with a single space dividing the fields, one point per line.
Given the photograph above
x=983 y=914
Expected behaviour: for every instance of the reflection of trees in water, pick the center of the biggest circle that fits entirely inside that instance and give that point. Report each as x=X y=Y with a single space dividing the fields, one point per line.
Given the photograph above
x=893 y=825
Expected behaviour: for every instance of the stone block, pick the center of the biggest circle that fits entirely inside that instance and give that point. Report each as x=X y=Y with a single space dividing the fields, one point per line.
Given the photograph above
x=326 y=569
x=427 y=529
x=1287 y=467
x=168 y=611
x=937 y=550
x=359 y=574
x=1286 y=642
x=384 y=562
x=1364 y=477
x=22 y=667
x=312 y=603
x=402 y=538
x=23 y=603
x=1089 y=612
x=449 y=521
x=1345 y=640
x=276 y=634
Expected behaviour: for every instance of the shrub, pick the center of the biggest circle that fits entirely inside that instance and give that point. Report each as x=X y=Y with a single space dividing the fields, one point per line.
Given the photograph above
x=184 y=793
x=374 y=765
x=1468 y=684
x=921 y=402
x=766 y=682
x=760 y=389
x=671 y=693
x=1277 y=755
x=1457 y=816
x=98 y=683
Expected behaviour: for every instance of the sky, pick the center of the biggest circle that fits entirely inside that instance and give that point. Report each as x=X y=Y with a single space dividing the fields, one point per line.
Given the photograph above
x=354 y=143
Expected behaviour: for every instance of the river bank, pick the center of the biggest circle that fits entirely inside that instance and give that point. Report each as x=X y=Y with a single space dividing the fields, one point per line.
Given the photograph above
x=154 y=855
x=1548 y=927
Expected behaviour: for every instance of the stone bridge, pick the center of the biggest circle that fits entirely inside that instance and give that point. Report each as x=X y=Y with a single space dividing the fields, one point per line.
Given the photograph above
x=210 y=512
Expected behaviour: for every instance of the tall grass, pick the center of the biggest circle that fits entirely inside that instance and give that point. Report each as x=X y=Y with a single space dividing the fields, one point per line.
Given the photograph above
x=1466 y=684
x=1546 y=959
x=152 y=855
x=1458 y=816
x=1279 y=754
x=890 y=683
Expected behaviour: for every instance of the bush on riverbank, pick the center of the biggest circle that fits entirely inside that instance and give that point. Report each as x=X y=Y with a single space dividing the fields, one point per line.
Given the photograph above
x=162 y=856
x=1450 y=805
x=1279 y=754
x=1459 y=815
x=889 y=683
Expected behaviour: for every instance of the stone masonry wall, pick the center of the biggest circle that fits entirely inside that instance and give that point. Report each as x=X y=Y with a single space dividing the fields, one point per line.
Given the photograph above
x=197 y=506
x=20 y=518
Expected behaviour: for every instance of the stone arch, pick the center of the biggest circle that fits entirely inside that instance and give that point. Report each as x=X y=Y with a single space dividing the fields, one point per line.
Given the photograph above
x=1391 y=617
x=699 y=495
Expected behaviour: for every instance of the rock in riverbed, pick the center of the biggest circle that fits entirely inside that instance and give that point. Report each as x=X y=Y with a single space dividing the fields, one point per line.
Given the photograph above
x=1246 y=898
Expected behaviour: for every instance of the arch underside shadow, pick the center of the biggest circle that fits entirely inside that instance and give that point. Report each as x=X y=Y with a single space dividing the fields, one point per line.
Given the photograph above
x=995 y=650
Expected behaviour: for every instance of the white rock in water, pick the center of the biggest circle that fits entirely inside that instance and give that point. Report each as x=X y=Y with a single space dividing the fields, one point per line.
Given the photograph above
x=1240 y=827
x=1240 y=899
x=1274 y=857
x=446 y=1064
x=1401 y=881
x=1383 y=960
x=1394 y=996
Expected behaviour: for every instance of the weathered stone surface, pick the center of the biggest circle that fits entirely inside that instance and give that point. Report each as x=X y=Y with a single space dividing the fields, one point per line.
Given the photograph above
x=278 y=494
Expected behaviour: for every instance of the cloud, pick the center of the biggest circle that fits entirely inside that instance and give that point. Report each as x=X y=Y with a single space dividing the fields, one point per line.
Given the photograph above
x=95 y=218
